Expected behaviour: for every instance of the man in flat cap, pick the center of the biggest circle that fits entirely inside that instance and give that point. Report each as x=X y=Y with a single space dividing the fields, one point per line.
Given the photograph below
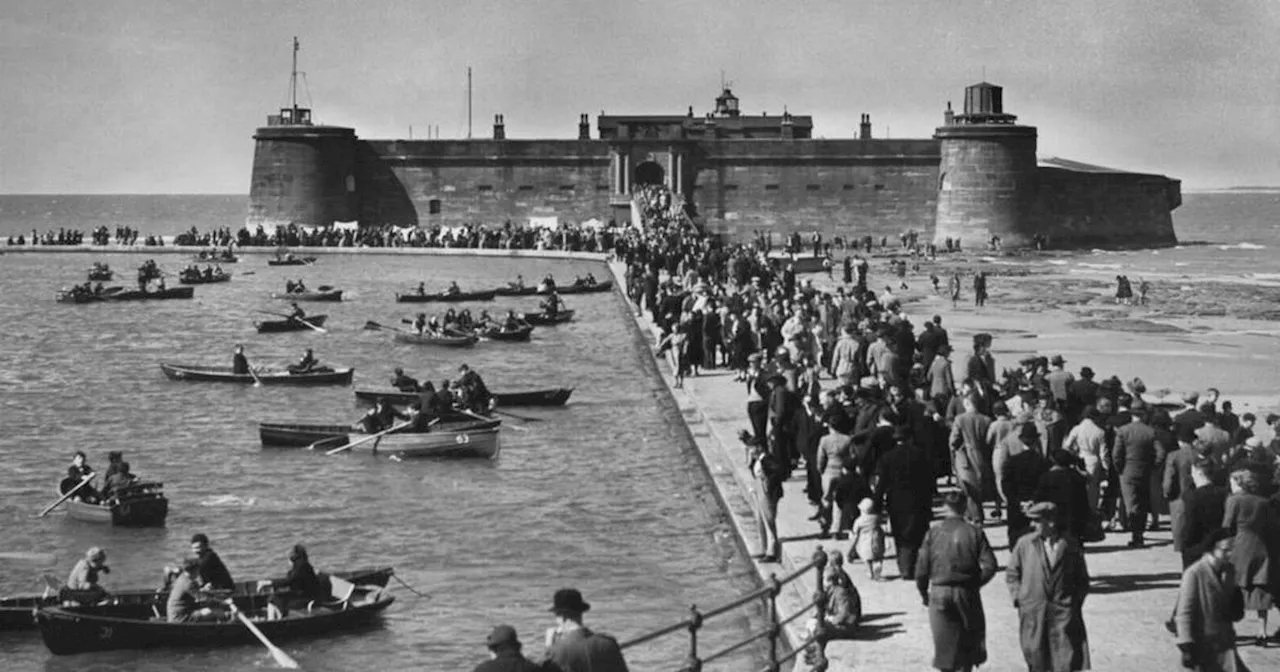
x=504 y=651
x=1048 y=581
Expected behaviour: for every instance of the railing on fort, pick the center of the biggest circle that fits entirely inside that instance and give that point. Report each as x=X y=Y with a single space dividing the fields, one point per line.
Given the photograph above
x=773 y=633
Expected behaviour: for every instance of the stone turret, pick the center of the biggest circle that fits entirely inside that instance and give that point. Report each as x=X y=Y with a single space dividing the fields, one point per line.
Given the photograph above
x=302 y=173
x=987 y=176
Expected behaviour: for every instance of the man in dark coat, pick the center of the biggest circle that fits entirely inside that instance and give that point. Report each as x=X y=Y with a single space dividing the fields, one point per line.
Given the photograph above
x=904 y=489
x=1081 y=395
x=1048 y=581
x=1177 y=481
x=1019 y=477
x=1134 y=457
x=1203 y=509
x=955 y=562
x=1068 y=489
x=504 y=648
x=572 y=647
x=781 y=427
x=213 y=574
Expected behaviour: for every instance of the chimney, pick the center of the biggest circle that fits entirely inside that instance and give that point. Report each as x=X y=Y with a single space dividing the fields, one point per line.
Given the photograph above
x=948 y=117
x=499 y=128
x=864 y=129
x=584 y=127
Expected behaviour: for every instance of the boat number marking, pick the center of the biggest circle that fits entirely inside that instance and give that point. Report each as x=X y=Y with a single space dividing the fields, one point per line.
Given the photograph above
x=463 y=438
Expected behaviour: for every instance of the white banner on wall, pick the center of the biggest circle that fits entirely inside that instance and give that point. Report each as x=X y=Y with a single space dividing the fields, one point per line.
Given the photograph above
x=544 y=222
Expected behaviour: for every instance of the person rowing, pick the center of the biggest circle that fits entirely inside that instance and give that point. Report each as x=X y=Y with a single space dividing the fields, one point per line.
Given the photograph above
x=297 y=315
x=552 y=304
x=77 y=472
x=121 y=479
x=453 y=289
x=548 y=284
x=518 y=284
x=381 y=417
x=307 y=363
x=422 y=289
x=186 y=603
x=239 y=363
x=419 y=323
x=404 y=382
x=472 y=392
x=513 y=322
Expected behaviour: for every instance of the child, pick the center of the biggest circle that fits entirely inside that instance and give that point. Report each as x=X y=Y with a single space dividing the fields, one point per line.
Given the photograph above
x=868 y=538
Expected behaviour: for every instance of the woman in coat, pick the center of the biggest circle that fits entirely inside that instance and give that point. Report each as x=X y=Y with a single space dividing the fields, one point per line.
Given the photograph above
x=1256 y=551
x=1048 y=580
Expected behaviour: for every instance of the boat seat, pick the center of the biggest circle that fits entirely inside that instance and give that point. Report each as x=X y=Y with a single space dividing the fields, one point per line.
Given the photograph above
x=340 y=593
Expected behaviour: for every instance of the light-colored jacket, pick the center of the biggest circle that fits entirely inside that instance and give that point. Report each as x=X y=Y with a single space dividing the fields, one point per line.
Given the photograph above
x=1209 y=602
x=1087 y=440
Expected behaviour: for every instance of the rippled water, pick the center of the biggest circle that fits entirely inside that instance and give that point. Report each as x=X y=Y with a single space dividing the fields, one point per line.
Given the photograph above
x=605 y=494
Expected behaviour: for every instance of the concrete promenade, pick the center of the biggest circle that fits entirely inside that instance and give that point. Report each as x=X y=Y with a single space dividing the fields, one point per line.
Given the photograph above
x=1132 y=591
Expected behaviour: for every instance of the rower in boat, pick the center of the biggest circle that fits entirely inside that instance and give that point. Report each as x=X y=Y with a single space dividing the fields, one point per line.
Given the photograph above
x=450 y=320
x=453 y=289
x=519 y=283
x=485 y=320
x=208 y=272
x=78 y=471
x=419 y=323
x=298 y=287
x=381 y=417
x=301 y=583
x=552 y=304
x=591 y=280
x=433 y=326
x=217 y=270
x=307 y=363
x=513 y=321
x=186 y=604
x=297 y=314
x=213 y=575
x=548 y=284
x=84 y=576
x=403 y=382
x=422 y=289
x=119 y=480
x=239 y=363
x=97 y=289
x=473 y=394
x=465 y=323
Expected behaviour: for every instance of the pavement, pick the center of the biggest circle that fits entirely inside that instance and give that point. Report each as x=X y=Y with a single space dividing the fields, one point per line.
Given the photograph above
x=1132 y=590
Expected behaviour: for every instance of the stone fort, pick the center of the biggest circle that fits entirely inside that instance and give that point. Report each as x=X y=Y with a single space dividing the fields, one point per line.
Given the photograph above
x=977 y=177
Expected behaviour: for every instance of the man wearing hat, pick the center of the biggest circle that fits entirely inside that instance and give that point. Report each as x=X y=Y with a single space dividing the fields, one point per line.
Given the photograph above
x=1059 y=379
x=1191 y=415
x=980 y=367
x=1178 y=481
x=571 y=646
x=1134 y=457
x=402 y=382
x=1018 y=463
x=1082 y=394
x=1209 y=603
x=1048 y=581
x=504 y=650
x=955 y=562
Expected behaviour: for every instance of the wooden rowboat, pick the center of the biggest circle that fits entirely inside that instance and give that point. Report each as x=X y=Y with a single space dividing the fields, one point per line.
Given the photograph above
x=581 y=288
x=285 y=435
x=543 y=319
x=555 y=396
x=223 y=374
x=200 y=279
x=121 y=294
x=138 y=505
x=216 y=259
x=304 y=261
x=446 y=297
x=330 y=295
x=426 y=339
x=72 y=630
x=512 y=290
x=464 y=443
x=278 y=326
x=495 y=334
x=19 y=612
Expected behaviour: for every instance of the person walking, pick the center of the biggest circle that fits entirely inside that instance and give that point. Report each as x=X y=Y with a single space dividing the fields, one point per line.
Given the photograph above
x=571 y=646
x=1209 y=602
x=904 y=489
x=971 y=457
x=1134 y=457
x=1048 y=581
x=1255 y=553
x=955 y=562
x=769 y=474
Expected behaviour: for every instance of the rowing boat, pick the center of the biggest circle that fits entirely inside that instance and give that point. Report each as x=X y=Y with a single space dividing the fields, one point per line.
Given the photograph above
x=446 y=297
x=512 y=335
x=211 y=260
x=200 y=278
x=555 y=396
x=512 y=290
x=277 y=326
x=427 y=339
x=18 y=612
x=331 y=295
x=462 y=443
x=546 y=319
x=223 y=374
x=137 y=505
x=285 y=435
x=304 y=261
x=72 y=630
x=581 y=288
x=121 y=294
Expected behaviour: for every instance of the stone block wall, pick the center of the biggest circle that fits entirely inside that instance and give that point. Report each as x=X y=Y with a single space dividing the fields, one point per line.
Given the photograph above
x=1084 y=209
x=302 y=174
x=986 y=184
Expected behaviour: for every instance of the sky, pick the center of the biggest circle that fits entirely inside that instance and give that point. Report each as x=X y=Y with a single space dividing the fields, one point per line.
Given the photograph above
x=163 y=96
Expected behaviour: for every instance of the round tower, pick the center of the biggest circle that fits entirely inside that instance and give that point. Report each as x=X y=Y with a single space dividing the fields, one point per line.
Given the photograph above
x=302 y=174
x=987 y=177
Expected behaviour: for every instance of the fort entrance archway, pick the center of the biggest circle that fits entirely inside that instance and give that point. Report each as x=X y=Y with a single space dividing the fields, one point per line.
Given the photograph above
x=650 y=172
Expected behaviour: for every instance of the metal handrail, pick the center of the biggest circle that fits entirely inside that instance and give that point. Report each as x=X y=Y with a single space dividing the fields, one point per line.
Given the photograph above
x=773 y=632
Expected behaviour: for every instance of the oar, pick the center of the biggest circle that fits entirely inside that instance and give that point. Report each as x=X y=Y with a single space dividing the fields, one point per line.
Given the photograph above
x=374 y=325
x=282 y=658
x=67 y=496
x=293 y=319
x=257 y=382
x=357 y=442
x=477 y=416
x=515 y=416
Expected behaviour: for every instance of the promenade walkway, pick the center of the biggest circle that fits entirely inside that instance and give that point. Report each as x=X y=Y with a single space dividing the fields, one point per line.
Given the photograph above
x=1132 y=590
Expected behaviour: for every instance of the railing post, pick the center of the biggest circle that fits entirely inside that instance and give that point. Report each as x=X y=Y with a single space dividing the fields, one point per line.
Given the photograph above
x=775 y=629
x=818 y=662
x=695 y=624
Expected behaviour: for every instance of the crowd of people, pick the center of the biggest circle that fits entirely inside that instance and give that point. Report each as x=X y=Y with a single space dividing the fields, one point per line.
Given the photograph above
x=842 y=387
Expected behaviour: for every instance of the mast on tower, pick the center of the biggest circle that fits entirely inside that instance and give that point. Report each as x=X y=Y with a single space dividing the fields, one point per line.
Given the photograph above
x=292 y=115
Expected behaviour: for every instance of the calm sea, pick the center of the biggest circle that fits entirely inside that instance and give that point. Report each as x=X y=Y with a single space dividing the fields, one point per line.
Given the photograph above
x=605 y=494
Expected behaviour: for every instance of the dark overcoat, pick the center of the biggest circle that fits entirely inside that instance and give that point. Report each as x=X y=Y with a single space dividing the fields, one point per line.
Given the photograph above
x=1050 y=604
